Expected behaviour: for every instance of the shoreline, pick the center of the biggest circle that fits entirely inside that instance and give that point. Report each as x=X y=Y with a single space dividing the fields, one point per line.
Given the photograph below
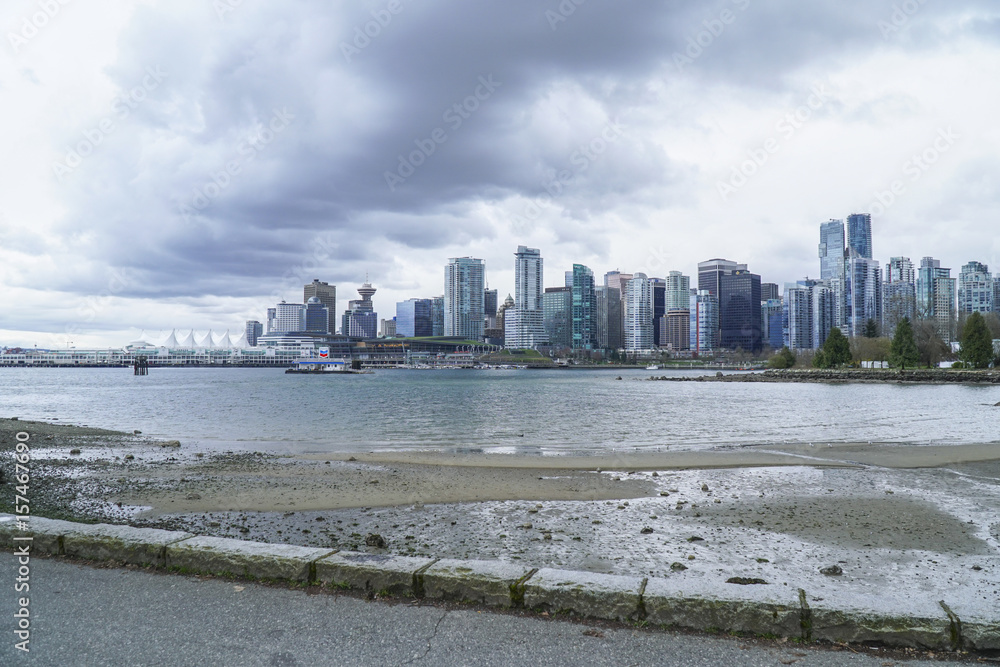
x=854 y=375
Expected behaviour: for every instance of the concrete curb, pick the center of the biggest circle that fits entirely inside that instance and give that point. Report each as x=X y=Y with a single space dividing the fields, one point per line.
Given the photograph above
x=675 y=601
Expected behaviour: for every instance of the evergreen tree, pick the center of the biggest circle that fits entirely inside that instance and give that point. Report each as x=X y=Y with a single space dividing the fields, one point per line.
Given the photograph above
x=977 y=343
x=836 y=349
x=871 y=329
x=903 y=351
x=785 y=358
x=820 y=360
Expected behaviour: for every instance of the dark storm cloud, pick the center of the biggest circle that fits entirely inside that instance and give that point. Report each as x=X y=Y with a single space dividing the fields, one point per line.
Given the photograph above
x=274 y=128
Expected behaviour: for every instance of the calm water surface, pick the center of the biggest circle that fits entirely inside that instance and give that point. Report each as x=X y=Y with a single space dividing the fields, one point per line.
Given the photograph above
x=543 y=412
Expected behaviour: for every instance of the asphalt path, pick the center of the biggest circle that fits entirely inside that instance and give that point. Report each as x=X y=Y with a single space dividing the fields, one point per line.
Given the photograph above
x=85 y=615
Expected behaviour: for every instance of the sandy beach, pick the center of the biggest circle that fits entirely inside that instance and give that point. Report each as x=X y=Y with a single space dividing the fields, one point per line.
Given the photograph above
x=891 y=515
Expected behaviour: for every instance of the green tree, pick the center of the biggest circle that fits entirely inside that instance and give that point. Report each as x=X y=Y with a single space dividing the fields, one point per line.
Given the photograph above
x=903 y=351
x=977 y=343
x=836 y=349
x=871 y=329
x=785 y=358
x=820 y=360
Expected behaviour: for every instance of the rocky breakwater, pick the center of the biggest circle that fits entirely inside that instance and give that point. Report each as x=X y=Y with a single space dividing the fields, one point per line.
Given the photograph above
x=845 y=375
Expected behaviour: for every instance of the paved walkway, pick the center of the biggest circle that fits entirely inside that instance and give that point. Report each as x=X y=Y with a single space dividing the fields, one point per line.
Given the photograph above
x=82 y=615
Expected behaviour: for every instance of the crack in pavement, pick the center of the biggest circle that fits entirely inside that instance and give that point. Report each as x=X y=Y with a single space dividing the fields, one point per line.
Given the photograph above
x=429 y=640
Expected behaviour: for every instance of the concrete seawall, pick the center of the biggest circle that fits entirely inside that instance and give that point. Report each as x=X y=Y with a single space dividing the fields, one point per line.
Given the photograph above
x=895 y=619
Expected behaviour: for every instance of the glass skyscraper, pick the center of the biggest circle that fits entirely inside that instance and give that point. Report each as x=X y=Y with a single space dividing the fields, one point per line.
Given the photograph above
x=859 y=234
x=831 y=250
x=464 y=284
x=584 y=309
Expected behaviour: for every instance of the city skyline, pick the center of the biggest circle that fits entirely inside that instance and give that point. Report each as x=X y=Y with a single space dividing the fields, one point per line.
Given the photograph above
x=175 y=164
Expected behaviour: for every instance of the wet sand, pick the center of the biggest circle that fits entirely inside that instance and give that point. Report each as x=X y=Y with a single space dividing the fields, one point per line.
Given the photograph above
x=892 y=515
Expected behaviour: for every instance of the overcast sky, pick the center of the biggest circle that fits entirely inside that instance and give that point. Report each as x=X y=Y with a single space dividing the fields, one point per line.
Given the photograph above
x=185 y=164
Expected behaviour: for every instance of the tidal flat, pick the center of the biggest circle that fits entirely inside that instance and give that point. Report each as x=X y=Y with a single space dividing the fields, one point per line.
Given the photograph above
x=897 y=519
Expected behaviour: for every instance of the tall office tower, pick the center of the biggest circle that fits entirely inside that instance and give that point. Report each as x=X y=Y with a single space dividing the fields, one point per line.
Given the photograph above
x=387 y=329
x=272 y=318
x=360 y=319
x=739 y=311
x=609 y=317
x=710 y=274
x=464 y=282
x=659 y=288
x=557 y=309
x=524 y=327
x=327 y=295
x=859 y=235
x=316 y=316
x=900 y=270
x=798 y=309
x=864 y=293
x=288 y=317
x=704 y=310
x=675 y=329
x=996 y=293
x=975 y=289
x=568 y=279
x=490 y=308
x=769 y=291
x=936 y=296
x=831 y=250
x=639 y=313
x=771 y=322
x=254 y=330
x=413 y=318
x=437 y=316
x=584 y=309
x=506 y=307
x=617 y=280
x=678 y=295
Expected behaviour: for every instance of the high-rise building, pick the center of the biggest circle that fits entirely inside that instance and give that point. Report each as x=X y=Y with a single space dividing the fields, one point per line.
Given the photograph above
x=659 y=288
x=678 y=292
x=996 y=293
x=675 y=329
x=900 y=270
x=327 y=295
x=584 y=309
x=568 y=279
x=254 y=330
x=387 y=328
x=360 y=319
x=464 y=282
x=490 y=308
x=771 y=322
x=316 y=316
x=437 y=316
x=704 y=312
x=710 y=274
x=287 y=318
x=975 y=289
x=936 y=296
x=557 y=308
x=739 y=311
x=609 y=318
x=639 y=313
x=769 y=291
x=864 y=294
x=524 y=327
x=899 y=301
x=414 y=319
x=859 y=235
x=808 y=309
x=831 y=250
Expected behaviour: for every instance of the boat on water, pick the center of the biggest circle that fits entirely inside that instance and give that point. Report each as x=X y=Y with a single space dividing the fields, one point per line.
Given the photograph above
x=327 y=367
x=652 y=367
